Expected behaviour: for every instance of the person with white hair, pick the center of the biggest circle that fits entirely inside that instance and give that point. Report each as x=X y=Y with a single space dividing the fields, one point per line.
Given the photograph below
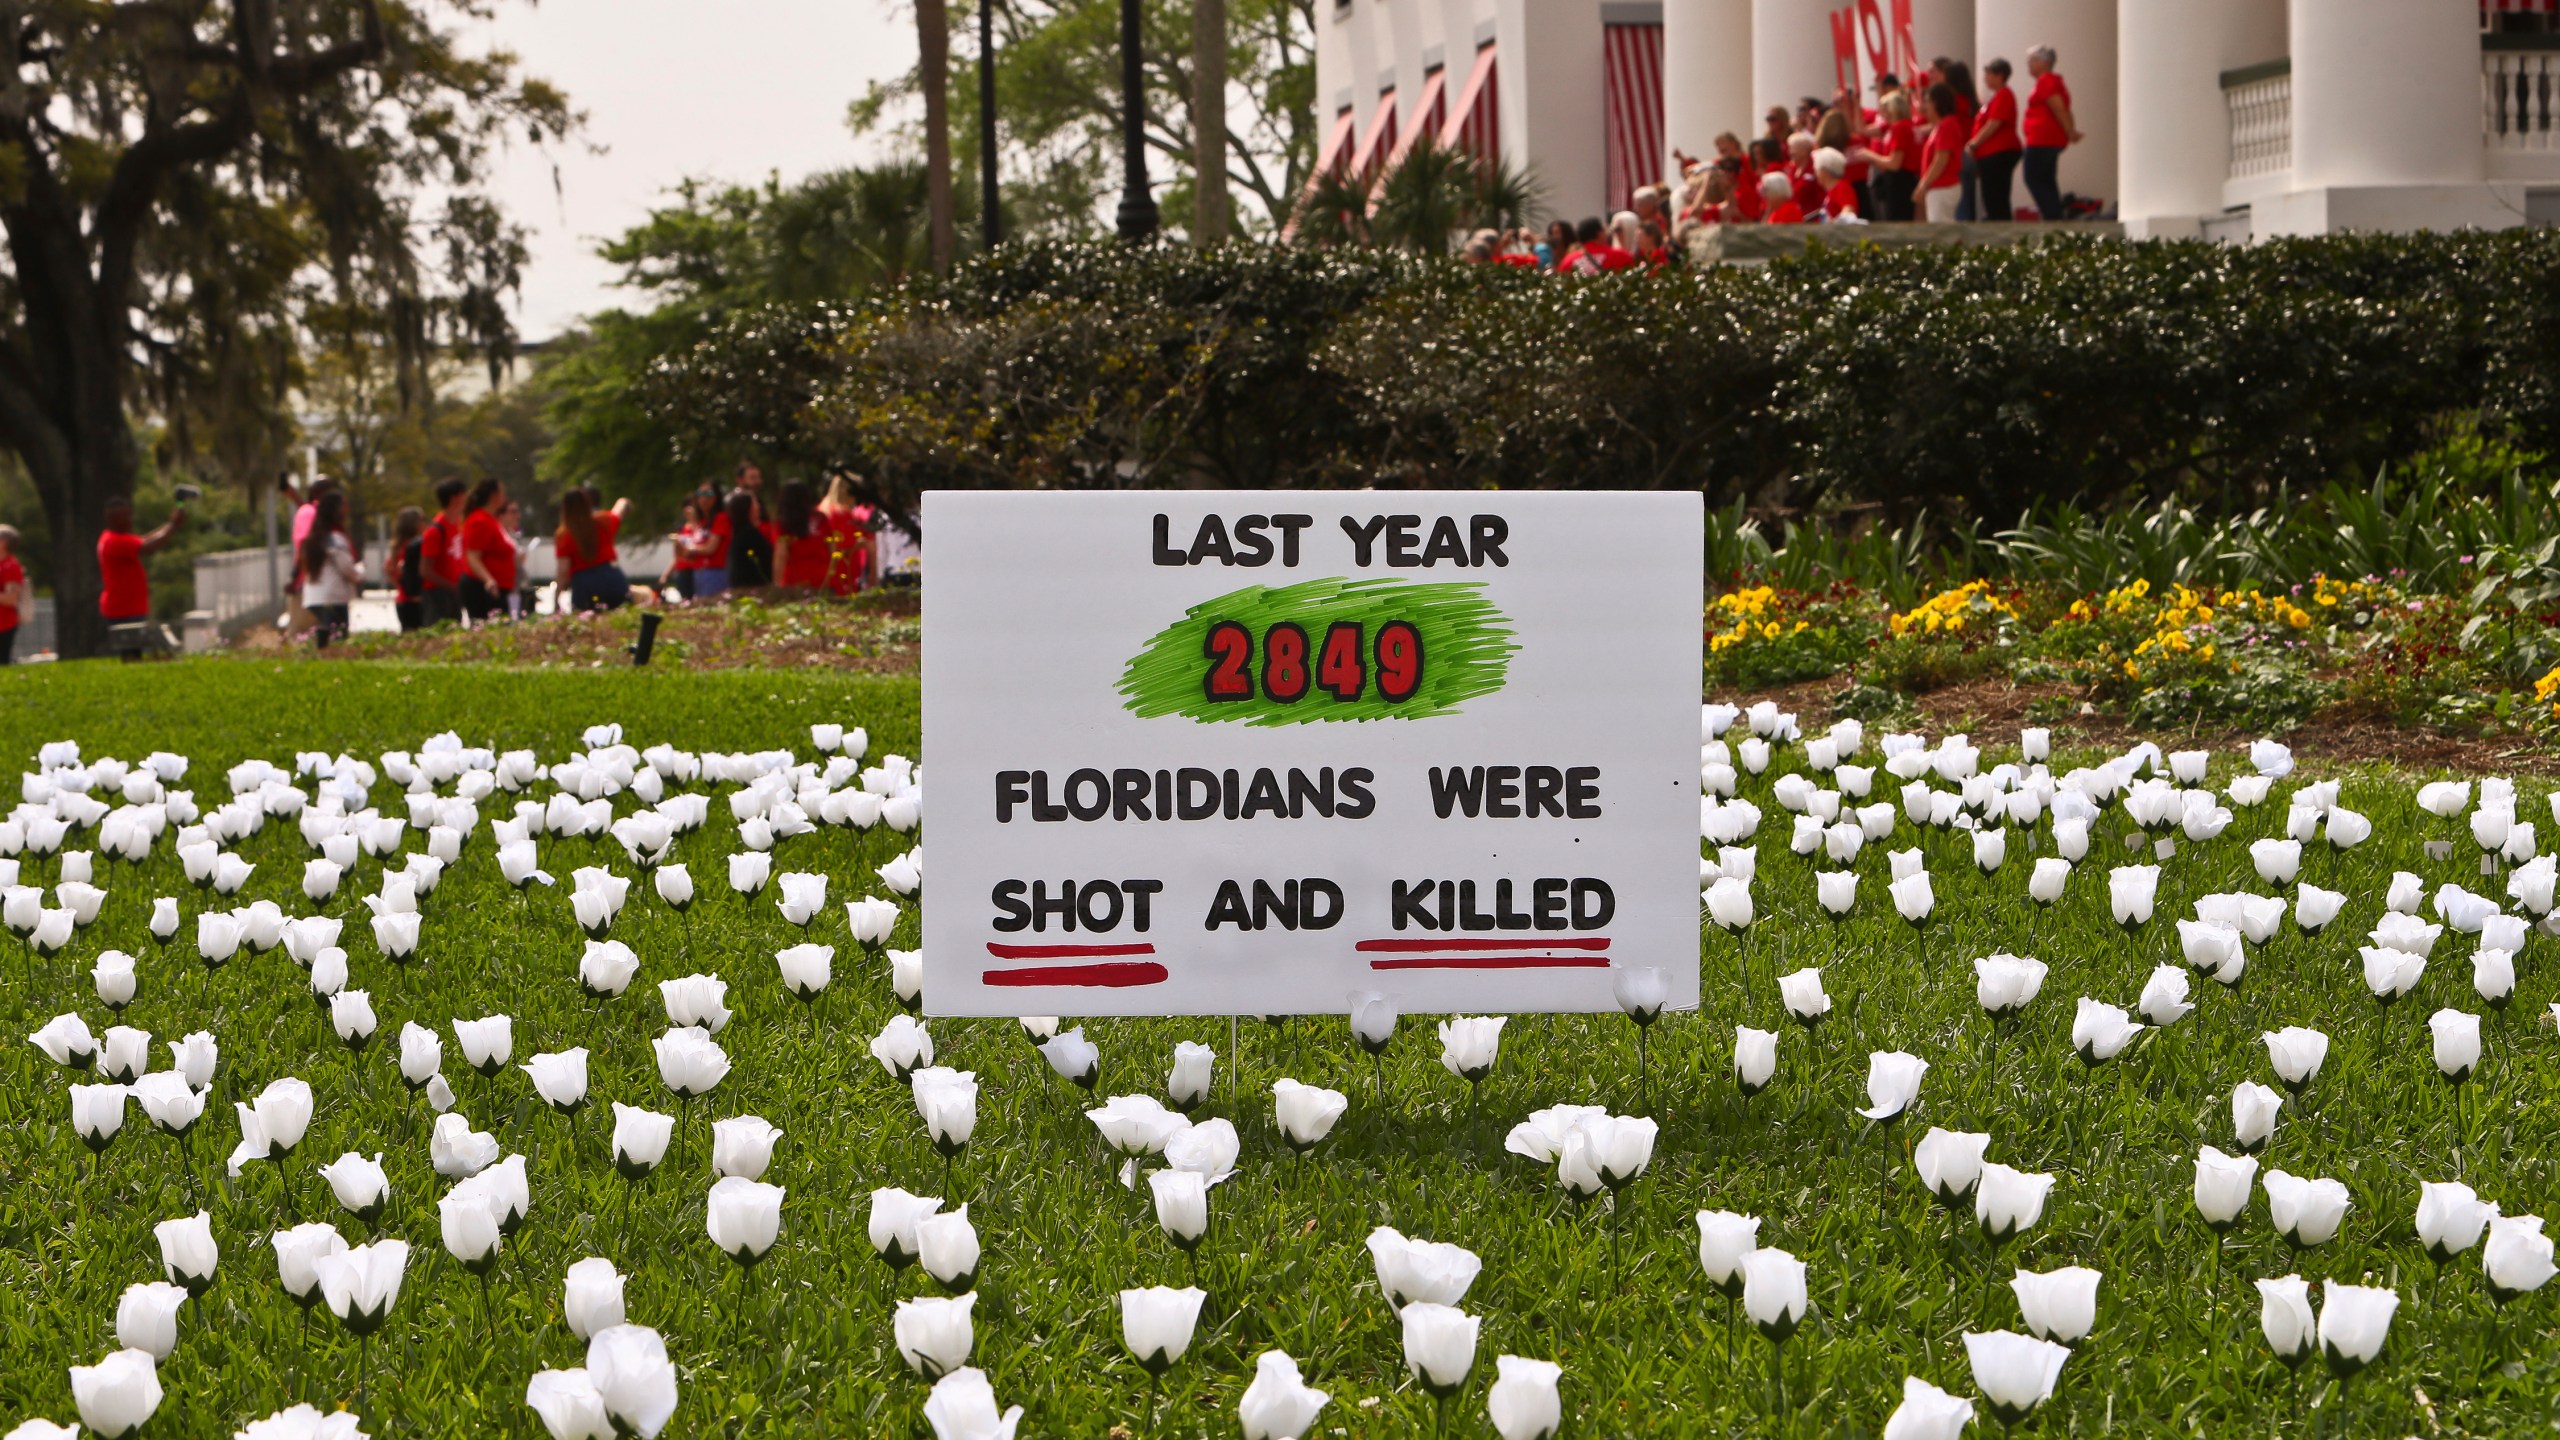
x=2048 y=128
x=1780 y=193
x=1808 y=186
x=1839 y=197
x=1648 y=208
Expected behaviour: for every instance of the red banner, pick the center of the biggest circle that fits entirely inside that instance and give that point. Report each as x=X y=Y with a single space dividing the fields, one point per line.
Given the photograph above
x=1866 y=43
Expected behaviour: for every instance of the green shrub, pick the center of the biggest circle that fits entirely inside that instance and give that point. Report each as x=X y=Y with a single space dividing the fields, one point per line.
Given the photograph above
x=1961 y=384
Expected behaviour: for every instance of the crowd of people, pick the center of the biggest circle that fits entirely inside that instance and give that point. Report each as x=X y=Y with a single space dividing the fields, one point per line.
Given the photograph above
x=464 y=562
x=1941 y=149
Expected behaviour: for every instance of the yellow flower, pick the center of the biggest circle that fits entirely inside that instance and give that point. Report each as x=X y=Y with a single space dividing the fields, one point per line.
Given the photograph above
x=2132 y=671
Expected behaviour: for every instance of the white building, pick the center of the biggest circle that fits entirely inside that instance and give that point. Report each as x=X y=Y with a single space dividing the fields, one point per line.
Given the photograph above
x=2231 y=118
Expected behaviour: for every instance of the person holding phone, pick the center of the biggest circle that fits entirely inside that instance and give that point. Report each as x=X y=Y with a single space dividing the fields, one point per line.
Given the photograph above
x=124 y=587
x=331 y=565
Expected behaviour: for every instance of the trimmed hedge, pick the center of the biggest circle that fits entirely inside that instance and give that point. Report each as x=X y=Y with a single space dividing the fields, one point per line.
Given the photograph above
x=1980 y=381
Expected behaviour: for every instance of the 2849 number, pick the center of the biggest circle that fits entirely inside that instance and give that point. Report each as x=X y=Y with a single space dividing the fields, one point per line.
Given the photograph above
x=1289 y=664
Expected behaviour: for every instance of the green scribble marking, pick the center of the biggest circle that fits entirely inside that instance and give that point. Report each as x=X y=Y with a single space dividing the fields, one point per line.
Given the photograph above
x=1466 y=647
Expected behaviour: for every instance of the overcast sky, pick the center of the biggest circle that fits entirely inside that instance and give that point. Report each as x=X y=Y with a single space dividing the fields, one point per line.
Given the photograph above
x=733 y=89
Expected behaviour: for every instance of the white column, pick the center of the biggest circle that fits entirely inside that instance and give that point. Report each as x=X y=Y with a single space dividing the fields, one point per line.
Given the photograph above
x=1791 y=55
x=1942 y=27
x=1706 y=76
x=2170 y=55
x=2386 y=92
x=1554 y=116
x=2083 y=32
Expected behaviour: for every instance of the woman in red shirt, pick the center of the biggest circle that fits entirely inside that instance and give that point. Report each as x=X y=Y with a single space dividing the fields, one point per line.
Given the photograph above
x=583 y=554
x=2048 y=129
x=848 y=523
x=1897 y=182
x=1839 y=197
x=1778 y=193
x=800 y=549
x=699 y=548
x=13 y=593
x=1715 y=199
x=488 y=552
x=1959 y=78
x=1994 y=146
x=406 y=567
x=1941 y=156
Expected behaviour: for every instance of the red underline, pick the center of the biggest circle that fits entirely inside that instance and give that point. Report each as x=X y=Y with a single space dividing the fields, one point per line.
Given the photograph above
x=1497 y=962
x=1064 y=952
x=1514 y=942
x=1119 y=975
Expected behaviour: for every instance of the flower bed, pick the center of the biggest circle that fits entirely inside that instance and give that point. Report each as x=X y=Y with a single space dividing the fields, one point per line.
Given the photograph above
x=2171 y=656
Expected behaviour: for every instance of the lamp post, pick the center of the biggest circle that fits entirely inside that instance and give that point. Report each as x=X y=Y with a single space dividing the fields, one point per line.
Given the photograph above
x=1137 y=203
x=988 y=216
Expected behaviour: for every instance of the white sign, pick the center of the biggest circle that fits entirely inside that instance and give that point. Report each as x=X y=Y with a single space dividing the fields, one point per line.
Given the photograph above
x=1242 y=752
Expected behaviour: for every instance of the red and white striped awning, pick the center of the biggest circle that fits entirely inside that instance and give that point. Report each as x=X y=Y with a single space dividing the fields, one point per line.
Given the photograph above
x=1370 y=159
x=1429 y=112
x=1631 y=57
x=1330 y=160
x=2490 y=10
x=1475 y=123
x=1337 y=145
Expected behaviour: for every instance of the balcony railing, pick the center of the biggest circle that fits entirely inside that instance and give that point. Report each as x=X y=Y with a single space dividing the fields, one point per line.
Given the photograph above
x=2519 y=108
x=2260 y=99
x=2519 y=95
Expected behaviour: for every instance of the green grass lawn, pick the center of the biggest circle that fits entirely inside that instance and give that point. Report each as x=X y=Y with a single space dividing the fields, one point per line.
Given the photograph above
x=1612 y=1292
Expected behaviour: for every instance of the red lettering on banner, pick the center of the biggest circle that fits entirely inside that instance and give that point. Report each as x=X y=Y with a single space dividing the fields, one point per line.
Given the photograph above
x=1844 y=48
x=1906 y=48
x=1871 y=31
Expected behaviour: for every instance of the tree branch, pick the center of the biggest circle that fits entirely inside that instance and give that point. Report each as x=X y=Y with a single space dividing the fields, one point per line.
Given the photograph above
x=132 y=187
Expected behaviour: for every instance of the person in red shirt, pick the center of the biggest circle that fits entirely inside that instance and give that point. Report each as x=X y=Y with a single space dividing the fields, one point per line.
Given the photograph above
x=1808 y=186
x=801 y=553
x=1897 y=182
x=1942 y=155
x=13 y=593
x=440 y=555
x=2047 y=128
x=407 y=566
x=1715 y=200
x=698 y=546
x=1959 y=78
x=583 y=554
x=848 y=523
x=1995 y=146
x=1778 y=193
x=488 y=553
x=124 y=590
x=1839 y=197
x=1840 y=131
